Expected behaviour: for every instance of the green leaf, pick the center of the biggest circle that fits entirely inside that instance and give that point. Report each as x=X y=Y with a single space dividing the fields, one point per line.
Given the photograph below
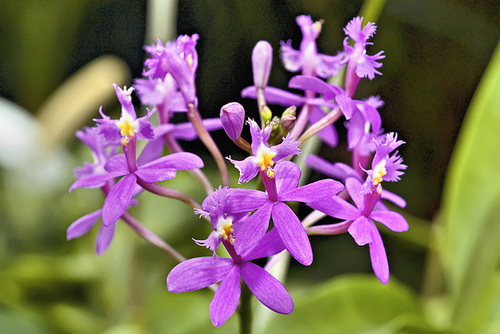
x=469 y=239
x=353 y=304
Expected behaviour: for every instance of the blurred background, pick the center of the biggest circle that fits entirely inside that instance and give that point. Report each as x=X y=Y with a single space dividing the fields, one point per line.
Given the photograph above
x=57 y=62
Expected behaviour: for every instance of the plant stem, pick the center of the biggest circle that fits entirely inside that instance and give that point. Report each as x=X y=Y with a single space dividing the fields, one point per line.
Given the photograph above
x=245 y=310
x=151 y=237
x=167 y=192
x=205 y=137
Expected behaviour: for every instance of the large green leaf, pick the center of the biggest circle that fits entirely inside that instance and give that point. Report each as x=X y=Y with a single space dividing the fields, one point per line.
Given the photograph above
x=469 y=239
x=353 y=304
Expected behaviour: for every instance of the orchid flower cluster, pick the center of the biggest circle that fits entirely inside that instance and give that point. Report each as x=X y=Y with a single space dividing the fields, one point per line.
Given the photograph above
x=257 y=223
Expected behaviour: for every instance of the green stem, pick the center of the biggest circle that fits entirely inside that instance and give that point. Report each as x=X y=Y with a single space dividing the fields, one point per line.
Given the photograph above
x=245 y=310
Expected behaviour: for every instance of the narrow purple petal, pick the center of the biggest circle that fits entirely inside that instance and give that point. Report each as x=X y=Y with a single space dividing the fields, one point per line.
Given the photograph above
x=275 y=96
x=399 y=201
x=253 y=229
x=287 y=176
x=150 y=175
x=259 y=136
x=186 y=131
x=82 y=225
x=226 y=298
x=346 y=105
x=355 y=130
x=322 y=190
x=248 y=168
x=145 y=128
x=328 y=65
x=198 y=273
x=269 y=245
x=306 y=82
x=292 y=233
x=104 y=238
x=268 y=290
x=337 y=208
x=117 y=163
x=152 y=151
x=290 y=57
x=378 y=256
x=118 y=199
x=360 y=230
x=176 y=161
x=286 y=148
x=393 y=220
x=353 y=186
x=95 y=181
x=245 y=200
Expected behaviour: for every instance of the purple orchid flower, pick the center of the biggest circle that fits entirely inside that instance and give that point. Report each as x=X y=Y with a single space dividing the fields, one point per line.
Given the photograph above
x=263 y=155
x=361 y=226
x=201 y=272
x=161 y=169
x=179 y=59
x=307 y=58
x=128 y=128
x=281 y=187
x=340 y=171
x=359 y=64
x=82 y=225
x=97 y=144
x=384 y=167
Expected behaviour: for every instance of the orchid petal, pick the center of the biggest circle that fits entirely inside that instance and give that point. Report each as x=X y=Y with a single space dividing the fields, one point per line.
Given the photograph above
x=268 y=290
x=337 y=208
x=292 y=233
x=176 y=161
x=245 y=200
x=104 y=238
x=353 y=186
x=253 y=229
x=287 y=176
x=150 y=175
x=322 y=190
x=269 y=245
x=118 y=199
x=198 y=273
x=82 y=225
x=360 y=230
x=398 y=200
x=378 y=256
x=393 y=220
x=226 y=298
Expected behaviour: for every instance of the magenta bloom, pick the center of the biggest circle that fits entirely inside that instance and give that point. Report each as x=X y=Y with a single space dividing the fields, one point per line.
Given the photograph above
x=179 y=59
x=307 y=58
x=263 y=155
x=128 y=128
x=359 y=64
x=362 y=228
x=201 y=272
x=281 y=188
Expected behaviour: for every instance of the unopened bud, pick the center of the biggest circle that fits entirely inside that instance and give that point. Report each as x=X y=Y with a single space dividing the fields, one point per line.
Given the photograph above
x=266 y=114
x=287 y=123
x=262 y=61
x=232 y=116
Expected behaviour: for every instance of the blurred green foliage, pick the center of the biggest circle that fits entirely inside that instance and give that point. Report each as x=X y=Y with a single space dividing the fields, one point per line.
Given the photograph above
x=444 y=275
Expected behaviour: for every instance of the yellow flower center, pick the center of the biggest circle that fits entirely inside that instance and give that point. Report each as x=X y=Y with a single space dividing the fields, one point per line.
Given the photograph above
x=190 y=60
x=225 y=228
x=378 y=172
x=264 y=158
x=128 y=128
